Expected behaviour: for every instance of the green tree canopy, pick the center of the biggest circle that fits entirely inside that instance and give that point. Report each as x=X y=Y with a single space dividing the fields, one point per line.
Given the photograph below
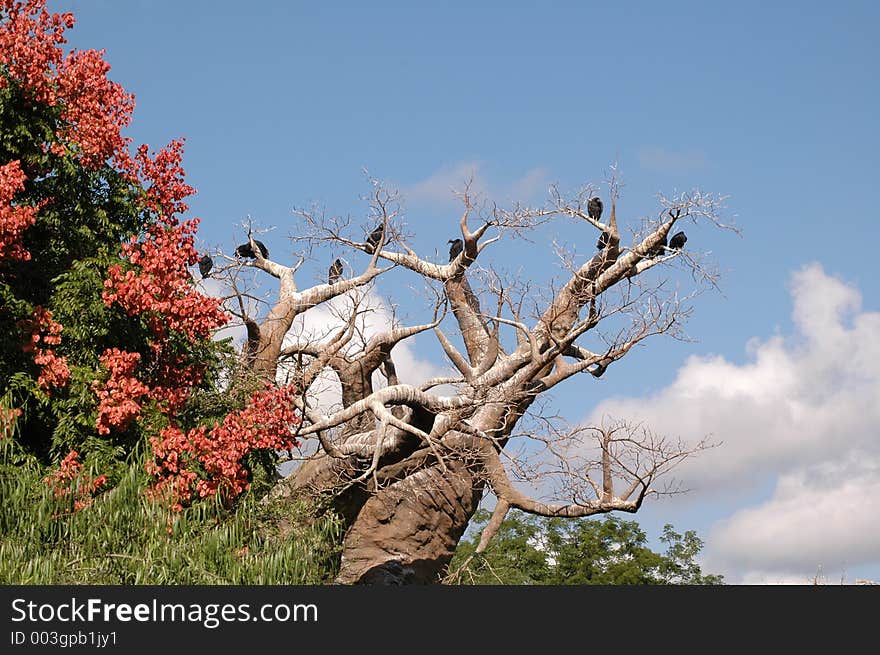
x=611 y=551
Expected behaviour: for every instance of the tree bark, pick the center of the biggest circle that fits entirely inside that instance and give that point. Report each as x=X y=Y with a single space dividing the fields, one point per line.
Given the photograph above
x=407 y=532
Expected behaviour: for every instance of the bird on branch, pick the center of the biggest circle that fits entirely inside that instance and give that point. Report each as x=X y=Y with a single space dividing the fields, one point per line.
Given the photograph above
x=594 y=208
x=335 y=272
x=205 y=265
x=456 y=248
x=245 y=250
x=677 y=241
x=374 y=238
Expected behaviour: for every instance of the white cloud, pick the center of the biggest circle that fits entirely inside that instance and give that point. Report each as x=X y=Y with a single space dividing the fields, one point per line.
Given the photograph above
x=441 y=186
x=802 y=411
x=764 y=578
x=532 y=183
x=321 y=322
x=235 y=329
x=823 y=517
x=797 y=401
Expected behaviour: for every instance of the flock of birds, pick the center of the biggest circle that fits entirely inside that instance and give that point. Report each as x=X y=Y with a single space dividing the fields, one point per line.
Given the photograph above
x=594 y=211
x=334 y=274
x=206 y=263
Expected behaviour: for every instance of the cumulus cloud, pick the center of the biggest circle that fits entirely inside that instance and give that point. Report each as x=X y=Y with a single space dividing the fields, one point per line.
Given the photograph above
x=801 y=412
x=321 y=322
x=823 y=517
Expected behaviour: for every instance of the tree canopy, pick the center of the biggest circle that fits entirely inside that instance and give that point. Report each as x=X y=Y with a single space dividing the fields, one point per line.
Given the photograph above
x=106 y=341
x=549 y=551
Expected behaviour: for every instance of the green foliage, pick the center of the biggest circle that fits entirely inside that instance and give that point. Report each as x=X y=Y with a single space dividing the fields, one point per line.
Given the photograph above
x=512 y=558
x=610 y=551
x=86 y=216
x=87 y=211
x=123 y=537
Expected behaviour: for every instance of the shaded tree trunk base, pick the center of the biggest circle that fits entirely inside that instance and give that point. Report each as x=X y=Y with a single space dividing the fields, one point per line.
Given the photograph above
x=407 y=532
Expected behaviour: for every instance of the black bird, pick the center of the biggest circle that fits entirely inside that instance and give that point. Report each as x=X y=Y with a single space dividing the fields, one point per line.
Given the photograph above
x=603 y=241
x=335 y=272
x=657 y=250
x=594 y=208
x=677 y=241
x=245 y=250
x=205 y=265
x=374 y=238
x=456 y=248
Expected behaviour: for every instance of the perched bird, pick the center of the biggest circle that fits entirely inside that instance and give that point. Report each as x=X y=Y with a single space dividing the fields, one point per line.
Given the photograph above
x=374 y=238
x=335 y=272
x=658 y=249
x=205 y=265
x=456 y=248
x=594 y=208
x=245 y=250
x=603 y=241
x=677 y=241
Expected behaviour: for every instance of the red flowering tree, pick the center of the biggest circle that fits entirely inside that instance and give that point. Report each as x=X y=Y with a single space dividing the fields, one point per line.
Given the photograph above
x=207 y=461
x=104 y=335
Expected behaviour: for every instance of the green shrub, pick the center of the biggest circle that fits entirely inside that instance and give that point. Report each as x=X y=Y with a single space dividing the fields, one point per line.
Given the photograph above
x=124 y=537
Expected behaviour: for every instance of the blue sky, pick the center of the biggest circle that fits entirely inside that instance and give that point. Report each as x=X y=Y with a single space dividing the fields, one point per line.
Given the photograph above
x=284 y=103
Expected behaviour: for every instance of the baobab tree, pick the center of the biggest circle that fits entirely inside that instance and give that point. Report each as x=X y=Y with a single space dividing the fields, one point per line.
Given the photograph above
x=106 y=335
x=406 y=465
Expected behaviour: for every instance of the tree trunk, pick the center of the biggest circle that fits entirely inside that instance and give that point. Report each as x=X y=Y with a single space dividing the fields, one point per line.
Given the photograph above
x=407 y=532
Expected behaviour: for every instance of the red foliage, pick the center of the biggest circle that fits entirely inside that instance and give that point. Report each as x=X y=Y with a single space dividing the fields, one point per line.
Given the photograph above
x=153 y=283
x=46 y=332
x=160 y=287
x=267 y=422
x=8 y=417
x=121 y=395
x=164 y=173
x=70 y=481
x=14 y=219
x=172 y=377
x=29 y=46
x=94 y=110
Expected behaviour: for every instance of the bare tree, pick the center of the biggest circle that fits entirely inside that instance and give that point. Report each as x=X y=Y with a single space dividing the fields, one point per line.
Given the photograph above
x=406 y=465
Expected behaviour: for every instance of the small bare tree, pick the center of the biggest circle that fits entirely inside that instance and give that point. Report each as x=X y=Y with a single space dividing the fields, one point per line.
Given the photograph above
x=406 y=466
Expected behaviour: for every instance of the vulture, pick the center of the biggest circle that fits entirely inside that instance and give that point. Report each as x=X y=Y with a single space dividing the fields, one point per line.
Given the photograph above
x=205 y=265
x=677 y=241
x=657 y=250
x=603 y=241
x=594 y=208
x=245 y=250
x=374 y=238
x=456 y=248
x=335 y=272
